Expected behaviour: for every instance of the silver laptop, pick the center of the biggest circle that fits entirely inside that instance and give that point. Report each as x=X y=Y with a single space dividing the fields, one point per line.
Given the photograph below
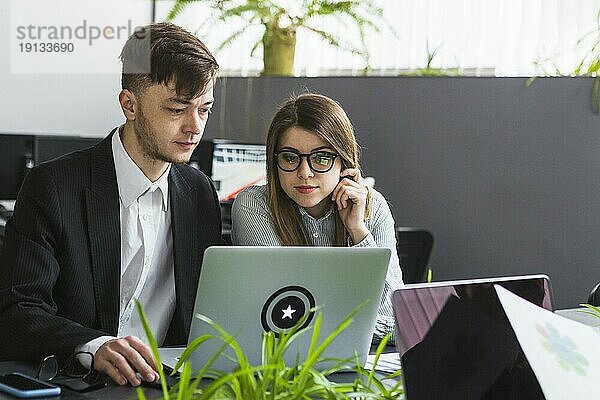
x=250 y=290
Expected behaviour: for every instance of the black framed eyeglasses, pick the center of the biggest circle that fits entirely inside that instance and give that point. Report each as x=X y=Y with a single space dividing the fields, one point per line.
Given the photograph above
x=318 y=161
x=77 y=373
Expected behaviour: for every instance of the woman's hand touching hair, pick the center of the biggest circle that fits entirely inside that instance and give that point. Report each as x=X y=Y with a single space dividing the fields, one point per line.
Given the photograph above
x=350 y=196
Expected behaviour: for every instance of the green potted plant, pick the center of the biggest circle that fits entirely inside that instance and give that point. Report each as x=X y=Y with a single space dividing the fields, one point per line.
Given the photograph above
x=273 y=379
x=281 y=22
x=592 y=310
x=589 y=64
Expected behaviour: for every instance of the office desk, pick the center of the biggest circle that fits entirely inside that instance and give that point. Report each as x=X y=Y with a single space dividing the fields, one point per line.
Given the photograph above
x=113 y=391
x=109 y=392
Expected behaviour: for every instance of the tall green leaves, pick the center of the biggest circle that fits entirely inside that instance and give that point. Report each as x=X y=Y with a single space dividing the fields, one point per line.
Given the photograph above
x=154 y=348
x=273 y=378
x=592 y=310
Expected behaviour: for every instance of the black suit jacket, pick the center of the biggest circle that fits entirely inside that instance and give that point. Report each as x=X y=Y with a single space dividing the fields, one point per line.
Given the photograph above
x=60 y=266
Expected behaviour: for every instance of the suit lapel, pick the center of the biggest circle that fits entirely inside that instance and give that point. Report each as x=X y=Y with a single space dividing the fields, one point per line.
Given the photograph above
x=102 y=205
x=186 y=251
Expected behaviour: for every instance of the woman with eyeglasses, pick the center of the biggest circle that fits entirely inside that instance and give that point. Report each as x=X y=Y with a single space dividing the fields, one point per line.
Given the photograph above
x=315 y=194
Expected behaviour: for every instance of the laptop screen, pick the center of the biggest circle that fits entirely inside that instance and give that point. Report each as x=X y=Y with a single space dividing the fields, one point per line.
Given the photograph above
x=417 y=306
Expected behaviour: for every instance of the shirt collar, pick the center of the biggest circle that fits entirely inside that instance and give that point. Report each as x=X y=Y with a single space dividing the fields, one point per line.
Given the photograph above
x=306 y=215
x=131 y=181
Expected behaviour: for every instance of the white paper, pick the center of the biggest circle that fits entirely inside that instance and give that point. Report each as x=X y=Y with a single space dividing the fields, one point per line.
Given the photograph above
x=388 y=362
x=564 y=354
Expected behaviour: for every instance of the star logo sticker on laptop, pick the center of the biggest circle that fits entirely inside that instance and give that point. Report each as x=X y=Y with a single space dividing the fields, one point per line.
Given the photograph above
x=287 y=313
x=286 y=307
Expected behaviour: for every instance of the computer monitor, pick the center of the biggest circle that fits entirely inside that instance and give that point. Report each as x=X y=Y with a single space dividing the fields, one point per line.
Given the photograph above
x=16 y=158
x=202 y=157
x=19 y=153
x=233 y=166
x=47 y=148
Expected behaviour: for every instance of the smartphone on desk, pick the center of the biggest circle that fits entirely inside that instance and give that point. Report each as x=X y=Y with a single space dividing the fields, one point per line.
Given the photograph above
x=24 y=386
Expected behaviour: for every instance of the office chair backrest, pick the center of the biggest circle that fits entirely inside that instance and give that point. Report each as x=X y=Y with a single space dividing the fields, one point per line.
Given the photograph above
x=594 y=297
x=414 y=247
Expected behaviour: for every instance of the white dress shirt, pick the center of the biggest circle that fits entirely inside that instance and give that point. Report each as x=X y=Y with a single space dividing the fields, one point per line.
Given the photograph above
x=147 y=269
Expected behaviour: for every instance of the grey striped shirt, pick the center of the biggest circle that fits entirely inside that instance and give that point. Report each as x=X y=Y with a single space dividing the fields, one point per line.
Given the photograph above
x=252 y=225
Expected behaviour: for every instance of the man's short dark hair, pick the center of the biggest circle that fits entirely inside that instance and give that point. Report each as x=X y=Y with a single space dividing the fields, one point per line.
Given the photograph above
x=164 y=53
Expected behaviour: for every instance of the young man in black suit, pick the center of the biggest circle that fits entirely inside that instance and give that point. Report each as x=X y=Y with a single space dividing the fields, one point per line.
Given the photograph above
x=127 y=219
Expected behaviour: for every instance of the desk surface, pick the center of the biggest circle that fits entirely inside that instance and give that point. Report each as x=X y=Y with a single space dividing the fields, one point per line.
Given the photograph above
x=127 y=392
x=109 y=392
x=113 y=391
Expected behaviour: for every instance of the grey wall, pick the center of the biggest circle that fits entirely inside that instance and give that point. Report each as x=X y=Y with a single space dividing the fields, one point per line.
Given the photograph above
x=507 y=177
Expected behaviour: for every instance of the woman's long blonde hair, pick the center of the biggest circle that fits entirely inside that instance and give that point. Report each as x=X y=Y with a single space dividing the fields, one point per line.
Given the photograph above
x=325 y=118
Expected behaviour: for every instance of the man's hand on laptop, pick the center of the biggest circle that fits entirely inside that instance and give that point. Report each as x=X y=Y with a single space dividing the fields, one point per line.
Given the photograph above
x=125 y=360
